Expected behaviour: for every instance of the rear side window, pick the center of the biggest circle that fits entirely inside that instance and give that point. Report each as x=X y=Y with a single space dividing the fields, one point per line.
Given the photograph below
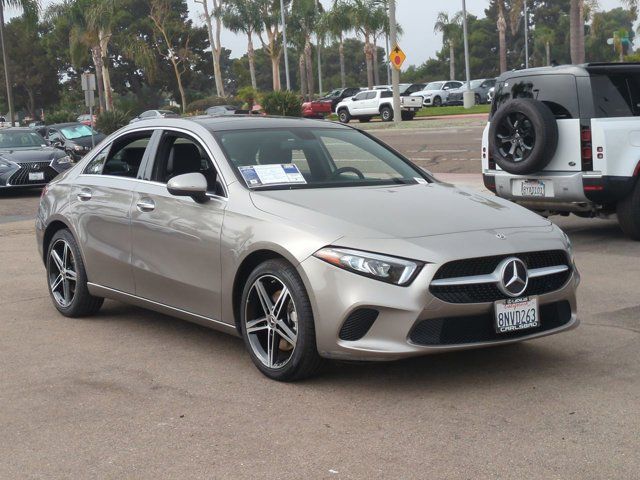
x=558 y=92
x=616 y=95
x=386 y=94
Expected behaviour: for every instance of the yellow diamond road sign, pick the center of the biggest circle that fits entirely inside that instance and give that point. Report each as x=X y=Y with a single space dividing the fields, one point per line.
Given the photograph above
x=397 y=57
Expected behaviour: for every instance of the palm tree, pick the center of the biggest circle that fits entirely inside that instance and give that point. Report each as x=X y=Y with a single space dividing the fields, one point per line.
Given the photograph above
x=337 y=22
x=304 y=18
x=26 y=5
x=100 y=17
x=576 y=30
x=269 y=11
x=243 y=16
x=544 y=36
x=450 y=29
x=366 y=19
x=214 y=39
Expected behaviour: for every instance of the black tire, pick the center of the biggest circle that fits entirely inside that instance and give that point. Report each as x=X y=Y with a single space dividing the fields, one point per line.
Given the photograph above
x=408 y=115
x=344 y=116
x=386 y=112
x=304 y=361
x=629 y=213
x=82 y=303
x=437 y=102
x=523 y=136
x=477 y=99
x=364 y=119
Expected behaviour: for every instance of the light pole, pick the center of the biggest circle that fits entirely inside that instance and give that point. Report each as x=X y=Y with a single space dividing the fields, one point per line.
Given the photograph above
x=468 y=96
x=6 y=66
x=284 y=44
x=319 y=42
x=395 y=73
x=526 y=35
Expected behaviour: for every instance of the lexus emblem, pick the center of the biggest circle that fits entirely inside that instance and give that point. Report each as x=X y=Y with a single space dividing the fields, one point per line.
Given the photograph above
x=514 y=277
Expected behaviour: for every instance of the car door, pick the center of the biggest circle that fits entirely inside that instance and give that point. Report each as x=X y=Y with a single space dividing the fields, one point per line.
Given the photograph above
x=100 y=205
x=358 y=103
x=176 y=240
x=370 y=103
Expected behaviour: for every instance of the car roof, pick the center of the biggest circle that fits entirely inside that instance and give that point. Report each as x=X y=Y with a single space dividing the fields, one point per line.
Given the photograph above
x=238 y=122
x=582 y=70
x=17 y=129
x=62 y=125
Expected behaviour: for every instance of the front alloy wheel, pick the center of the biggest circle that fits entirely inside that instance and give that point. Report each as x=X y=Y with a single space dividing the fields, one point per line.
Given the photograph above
x=277 y=323
x=271 y=321
x=62 y=273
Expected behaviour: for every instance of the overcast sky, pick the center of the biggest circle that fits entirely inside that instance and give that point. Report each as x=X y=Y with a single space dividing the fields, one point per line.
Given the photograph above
x=416 y=17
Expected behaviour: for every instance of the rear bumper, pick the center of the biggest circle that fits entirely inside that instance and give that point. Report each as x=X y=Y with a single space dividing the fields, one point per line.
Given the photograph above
x=572 y=191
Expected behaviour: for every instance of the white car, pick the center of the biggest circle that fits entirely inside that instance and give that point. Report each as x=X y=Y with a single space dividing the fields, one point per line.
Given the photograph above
x=372 y=103
x=435 y=94
x=566 y=140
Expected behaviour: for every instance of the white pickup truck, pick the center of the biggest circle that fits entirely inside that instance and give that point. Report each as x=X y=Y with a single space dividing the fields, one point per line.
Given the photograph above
x=566 y=139
x=373 y=103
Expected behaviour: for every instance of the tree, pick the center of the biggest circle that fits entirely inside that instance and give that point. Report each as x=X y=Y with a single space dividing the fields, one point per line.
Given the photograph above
x=337 y=22
x=450 y=29
x=303 y=19
x=576 y=26
x=543 y=36
x=214 y=38
x=171 y=43
x=366 y=18
x=502 y=37
x=243 y=16
x=269 y=11
x=100 y=16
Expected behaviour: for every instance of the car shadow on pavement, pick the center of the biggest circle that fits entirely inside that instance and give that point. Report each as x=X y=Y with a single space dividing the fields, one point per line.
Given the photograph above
x=488 y=366
x=20 y=192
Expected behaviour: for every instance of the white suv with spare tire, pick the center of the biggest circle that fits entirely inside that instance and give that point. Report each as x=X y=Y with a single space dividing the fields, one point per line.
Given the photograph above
x=566 y=140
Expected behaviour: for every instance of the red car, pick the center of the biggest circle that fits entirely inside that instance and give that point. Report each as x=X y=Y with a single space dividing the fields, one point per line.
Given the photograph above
x=87 y=119
x=317 y=109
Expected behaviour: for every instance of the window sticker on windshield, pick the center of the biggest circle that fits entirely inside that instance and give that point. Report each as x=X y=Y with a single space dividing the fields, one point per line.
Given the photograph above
x=258 y=175
x=420 y=180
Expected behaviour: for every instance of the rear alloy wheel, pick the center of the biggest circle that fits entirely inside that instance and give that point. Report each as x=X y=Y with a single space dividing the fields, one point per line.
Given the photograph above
x=344 y=116
x=629 y=213
x=386 y=113
x=277 y=323
x=67 y=279
x=477 y=99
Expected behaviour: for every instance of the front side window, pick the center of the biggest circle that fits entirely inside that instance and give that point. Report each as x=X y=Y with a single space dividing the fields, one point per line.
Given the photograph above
x=179 y=154
x=325 y=157
x=122 y=158
x=360 y=96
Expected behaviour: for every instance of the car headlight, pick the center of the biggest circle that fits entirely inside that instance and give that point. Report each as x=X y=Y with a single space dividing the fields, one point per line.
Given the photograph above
x=78 y=148
x=6 y=165
x=66 y=160
x=398 y=271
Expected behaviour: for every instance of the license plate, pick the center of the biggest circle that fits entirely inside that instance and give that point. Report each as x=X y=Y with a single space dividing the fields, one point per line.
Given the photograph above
x=533 y=188
x=33 y=176
x=517 y=314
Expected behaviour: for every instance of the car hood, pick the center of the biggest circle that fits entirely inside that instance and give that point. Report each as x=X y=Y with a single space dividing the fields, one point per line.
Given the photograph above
x=86 y=141
x=22 y=155
x=407 y=211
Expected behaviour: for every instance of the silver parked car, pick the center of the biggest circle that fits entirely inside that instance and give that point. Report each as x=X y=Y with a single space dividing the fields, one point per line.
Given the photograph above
x=309 y=239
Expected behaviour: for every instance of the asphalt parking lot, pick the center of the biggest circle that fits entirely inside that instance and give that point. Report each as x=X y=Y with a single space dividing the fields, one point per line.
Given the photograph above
x=134 y=394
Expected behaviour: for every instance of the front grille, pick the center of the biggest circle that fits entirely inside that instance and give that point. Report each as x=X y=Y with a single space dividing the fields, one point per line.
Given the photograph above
x=21 y=177
x=358 y=324
x=481 y=328
x=489 y=292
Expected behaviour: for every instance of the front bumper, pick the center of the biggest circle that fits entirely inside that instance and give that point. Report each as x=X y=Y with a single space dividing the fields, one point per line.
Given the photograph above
x=21 y=176
x=337 y=294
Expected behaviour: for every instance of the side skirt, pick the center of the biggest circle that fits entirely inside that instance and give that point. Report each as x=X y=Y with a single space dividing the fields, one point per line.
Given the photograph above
x=106 y=292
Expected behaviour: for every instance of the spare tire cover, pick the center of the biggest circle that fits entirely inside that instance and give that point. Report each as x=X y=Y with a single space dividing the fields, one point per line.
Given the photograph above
x=523 y=136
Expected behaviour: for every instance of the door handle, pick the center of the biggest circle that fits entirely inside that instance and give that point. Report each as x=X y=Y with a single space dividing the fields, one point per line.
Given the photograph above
x=146 y=205
x=84 y=195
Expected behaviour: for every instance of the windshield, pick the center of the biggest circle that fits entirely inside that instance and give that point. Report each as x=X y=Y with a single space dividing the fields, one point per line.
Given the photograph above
x=285 y=158
x=77 y=131
x=434 y=86
x=20 y=140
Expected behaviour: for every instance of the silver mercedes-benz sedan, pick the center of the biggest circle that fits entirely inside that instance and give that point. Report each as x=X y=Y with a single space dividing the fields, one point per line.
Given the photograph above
x=311 y=240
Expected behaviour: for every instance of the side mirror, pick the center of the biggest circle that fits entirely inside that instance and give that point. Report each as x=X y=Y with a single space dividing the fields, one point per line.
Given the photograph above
x=192 y=185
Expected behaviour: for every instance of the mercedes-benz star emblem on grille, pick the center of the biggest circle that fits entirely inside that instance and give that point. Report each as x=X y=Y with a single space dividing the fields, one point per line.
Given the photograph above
x=514 y=277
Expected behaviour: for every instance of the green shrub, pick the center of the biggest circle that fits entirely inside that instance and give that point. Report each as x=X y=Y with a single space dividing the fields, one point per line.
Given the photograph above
x=282 y=103
x=60 y=116
x=248 y=96
x=204 y=103
x=109 y=122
